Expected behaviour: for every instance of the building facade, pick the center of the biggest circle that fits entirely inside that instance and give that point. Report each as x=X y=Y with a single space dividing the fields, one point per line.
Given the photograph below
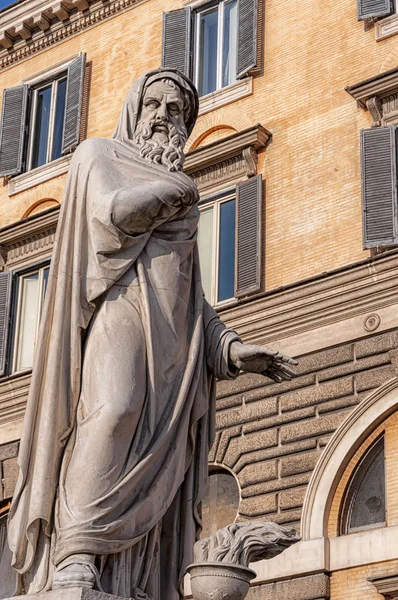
x=294 y=154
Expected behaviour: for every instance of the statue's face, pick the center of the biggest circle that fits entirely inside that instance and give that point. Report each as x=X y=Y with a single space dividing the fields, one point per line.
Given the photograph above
x=162 y=106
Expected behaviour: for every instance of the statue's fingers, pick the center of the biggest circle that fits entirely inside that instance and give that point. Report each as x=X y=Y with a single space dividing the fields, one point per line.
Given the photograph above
x=272 y=376
x=285 y=369
x=284 y=358
x=282 y=374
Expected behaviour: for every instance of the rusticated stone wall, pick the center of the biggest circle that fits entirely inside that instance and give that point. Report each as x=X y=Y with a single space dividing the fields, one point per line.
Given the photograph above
x=271 y=435
x=8 y=469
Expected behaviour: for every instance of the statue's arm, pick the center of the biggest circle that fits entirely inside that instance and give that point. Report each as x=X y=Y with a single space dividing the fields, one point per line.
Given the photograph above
x=227 y=355
x=140 y=209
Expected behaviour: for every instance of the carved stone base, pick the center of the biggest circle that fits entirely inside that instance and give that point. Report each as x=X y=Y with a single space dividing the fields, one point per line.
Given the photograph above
x=72 y=593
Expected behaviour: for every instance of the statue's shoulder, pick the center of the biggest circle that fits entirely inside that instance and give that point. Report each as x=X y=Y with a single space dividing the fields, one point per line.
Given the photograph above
x=92 y=149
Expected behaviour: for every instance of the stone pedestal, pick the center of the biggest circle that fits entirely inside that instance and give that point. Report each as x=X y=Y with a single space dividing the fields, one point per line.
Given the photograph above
x=73 y=593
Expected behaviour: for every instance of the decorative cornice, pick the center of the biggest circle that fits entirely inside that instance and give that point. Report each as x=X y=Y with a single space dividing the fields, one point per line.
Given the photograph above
x=227 y=161
x=34 y=177
x=380 y=86
x=386 y=585
x=35 y=25
x=29 y=240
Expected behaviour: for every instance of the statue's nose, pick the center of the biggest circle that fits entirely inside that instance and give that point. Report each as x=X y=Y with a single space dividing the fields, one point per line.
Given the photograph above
x=162 y=111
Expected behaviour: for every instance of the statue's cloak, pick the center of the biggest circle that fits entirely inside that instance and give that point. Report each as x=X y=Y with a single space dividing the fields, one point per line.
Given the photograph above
x=91 y=253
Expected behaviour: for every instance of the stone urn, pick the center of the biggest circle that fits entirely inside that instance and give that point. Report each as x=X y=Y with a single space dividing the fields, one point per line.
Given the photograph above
x=219 y=581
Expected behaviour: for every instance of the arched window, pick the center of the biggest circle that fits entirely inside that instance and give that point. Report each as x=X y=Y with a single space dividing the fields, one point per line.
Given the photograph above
x=221 y=504
x=364 y=505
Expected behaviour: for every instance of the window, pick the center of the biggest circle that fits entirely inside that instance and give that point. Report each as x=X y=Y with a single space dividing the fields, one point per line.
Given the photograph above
x=216 y=242
x=221 y=503
x=48 y=107
x=215 y=47
x=30 y=289
x=364 y=506
x=47 y=122
x=373 y=9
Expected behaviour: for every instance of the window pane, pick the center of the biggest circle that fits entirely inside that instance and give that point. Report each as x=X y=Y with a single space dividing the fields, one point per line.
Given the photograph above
x=226 y=256
x=46 y=272
x=28 y=320
x=208 y=35
x=205 y=244
x=42 y=121
x=365 y=504
x=221 y=503
x=59 y=119
x=229 y=43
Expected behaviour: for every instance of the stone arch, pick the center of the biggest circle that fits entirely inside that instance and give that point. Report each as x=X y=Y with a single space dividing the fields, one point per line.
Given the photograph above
x=39 y=206
x=220 y=131
x=345 y=442
x=220 y=119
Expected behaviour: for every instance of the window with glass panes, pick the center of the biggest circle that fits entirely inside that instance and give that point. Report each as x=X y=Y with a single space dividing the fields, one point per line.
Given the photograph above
x=30 y=291
x=47 y=122
x=216 y=242
x=216 y=46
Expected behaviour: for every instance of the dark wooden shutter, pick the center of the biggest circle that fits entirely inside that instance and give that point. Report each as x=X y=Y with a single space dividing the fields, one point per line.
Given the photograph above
x=247 y=37
x=176 y=43
x=13 y=129
x=379 y=186
x=368 y=9
x=5 y=297
x=73 y=104
x=248 y=236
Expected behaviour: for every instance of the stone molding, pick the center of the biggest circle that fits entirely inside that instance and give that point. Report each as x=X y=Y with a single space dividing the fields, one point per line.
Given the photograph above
x=235 y=91
x=13 y=395
x=372 y=411
x=386 y=27
x=386 y=586
x=35 y=25
x=30 y=240
x=227 y=161
x=378 y=95
x=30 y=179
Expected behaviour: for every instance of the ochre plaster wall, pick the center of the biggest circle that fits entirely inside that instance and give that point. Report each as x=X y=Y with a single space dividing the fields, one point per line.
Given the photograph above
x=312 y=51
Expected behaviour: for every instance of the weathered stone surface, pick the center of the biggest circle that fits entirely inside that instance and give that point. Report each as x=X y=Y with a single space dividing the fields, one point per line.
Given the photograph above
x=302 y=463
x=256 y=472
x=9 y=450
x=280 y=419
x=339 y=403
x=314 y=587
x=258 y=505
x=368 y=380
x=276 y=485
x=317 y=394
x=10 y=476
x=318 y=426
x=376 y=344
x=243 y=414
x=73 y=593
x=291 y=498
x=275 y=389
x=247 y=443
x=353 y=367
x=325 y=359
x=284 y=450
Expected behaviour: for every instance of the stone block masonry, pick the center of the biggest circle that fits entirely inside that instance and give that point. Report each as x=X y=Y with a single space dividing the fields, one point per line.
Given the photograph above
x=272 y=435
x=8 y=469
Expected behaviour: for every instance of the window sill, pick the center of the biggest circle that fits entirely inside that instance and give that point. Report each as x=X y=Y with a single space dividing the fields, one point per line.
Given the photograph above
x=34 y=177
x=235 y=91
x=386 y=27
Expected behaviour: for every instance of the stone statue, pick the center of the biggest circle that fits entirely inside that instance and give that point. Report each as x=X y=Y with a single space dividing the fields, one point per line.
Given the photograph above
x=113 y=459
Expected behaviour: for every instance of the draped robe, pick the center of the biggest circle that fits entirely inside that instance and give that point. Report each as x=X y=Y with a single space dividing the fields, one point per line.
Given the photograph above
x=113 y=458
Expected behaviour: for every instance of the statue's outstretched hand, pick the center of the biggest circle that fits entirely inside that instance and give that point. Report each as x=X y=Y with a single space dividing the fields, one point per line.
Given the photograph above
x=258 y=359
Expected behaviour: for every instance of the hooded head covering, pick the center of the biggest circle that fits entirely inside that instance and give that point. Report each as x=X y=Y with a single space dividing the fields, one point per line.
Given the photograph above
x=132 y=105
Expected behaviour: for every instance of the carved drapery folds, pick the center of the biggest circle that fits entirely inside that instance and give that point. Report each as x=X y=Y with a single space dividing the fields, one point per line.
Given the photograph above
x=228 y=161
x=378 y=95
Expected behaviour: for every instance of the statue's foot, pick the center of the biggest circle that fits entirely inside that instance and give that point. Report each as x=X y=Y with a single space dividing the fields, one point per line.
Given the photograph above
x=74 y=572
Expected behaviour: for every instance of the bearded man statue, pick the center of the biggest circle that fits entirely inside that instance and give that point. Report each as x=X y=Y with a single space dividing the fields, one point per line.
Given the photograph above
x=119 y=420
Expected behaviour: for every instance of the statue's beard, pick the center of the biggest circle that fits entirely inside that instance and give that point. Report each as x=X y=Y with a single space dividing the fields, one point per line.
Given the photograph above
x=169 y=153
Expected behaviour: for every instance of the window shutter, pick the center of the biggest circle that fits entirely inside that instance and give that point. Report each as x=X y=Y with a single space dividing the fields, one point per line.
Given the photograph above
x=379 y=186
x=247 y=37
x=73 y=104
x=176 y=43
x=5 y=298
x=248 y=236
x=13 y=128
x=368 y=9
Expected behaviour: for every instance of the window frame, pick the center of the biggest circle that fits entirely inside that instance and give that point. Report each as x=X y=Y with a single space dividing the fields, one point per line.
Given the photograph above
x=32 y=118
x=203 y=9
x=215 y=202
x=15 y=314
x=350 y=492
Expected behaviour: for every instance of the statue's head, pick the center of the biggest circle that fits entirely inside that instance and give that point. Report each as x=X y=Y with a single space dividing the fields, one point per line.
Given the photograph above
x=158 y=115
